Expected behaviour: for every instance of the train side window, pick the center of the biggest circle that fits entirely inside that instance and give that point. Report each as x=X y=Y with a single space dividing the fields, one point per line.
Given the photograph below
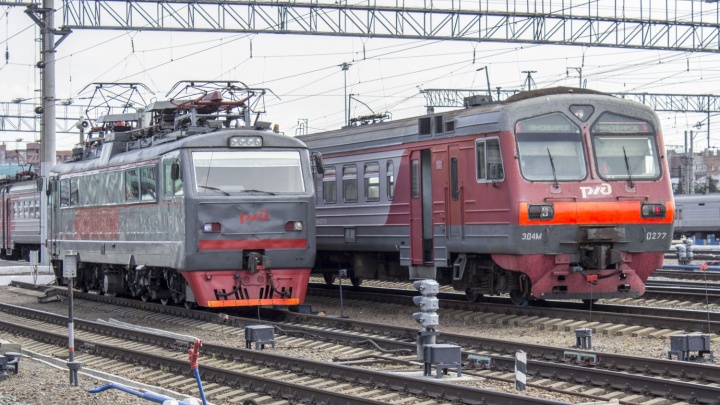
x=372 y=181
x=415 y=178
x=329 y=184
x=678 y=213
x=74 y=192
x=64 y=192
x=438 y=124
x=37 y=208
x=449 y=126
x=172 y=186
x=424 y=126
x=132 y=186
x=390 y=179
x=350 y=183
x=147 y=184
x=489 y=160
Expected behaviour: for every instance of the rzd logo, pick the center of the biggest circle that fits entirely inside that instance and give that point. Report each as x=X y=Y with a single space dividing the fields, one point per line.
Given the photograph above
x=261 y=215
x=603 y=189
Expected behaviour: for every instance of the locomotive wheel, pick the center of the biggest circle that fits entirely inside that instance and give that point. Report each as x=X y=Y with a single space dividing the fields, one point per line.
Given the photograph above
x=473 y=296
x=329 y=278
x=518 y=298
x=356 y=281
x=164 y=301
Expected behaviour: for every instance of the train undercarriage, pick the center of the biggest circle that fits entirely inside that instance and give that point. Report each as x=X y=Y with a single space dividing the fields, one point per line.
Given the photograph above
x=146 y=283
x=479 y=276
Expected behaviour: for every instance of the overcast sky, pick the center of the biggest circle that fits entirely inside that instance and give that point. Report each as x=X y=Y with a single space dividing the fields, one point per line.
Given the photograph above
x=304 y=71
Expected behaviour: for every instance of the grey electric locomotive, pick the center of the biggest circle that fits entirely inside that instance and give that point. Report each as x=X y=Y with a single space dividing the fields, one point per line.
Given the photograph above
x=188 y=202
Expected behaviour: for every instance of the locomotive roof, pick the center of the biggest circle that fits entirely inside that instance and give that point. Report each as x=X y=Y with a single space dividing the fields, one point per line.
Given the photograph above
x=488 y=118
x=214 y=139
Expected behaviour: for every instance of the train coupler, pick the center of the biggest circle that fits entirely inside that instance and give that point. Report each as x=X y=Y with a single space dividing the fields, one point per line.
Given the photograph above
x=257 y=261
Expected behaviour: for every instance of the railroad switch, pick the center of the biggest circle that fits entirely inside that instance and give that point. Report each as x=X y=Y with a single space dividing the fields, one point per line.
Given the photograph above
x=583 y=338
x=682 y=345
x=260 y=335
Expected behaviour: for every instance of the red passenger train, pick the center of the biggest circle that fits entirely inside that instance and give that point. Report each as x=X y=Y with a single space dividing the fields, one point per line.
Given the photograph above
x=554 y=194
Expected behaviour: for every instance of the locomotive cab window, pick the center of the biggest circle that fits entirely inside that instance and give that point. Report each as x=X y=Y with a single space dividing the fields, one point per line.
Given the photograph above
x=372 y=181
x=550 y=148
x=222 y=173
x=329 y=186
x=489 y=161
x=625 y=148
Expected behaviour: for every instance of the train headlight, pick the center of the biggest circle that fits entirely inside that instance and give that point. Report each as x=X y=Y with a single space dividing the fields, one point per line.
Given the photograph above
x=212 y=227
x=293 y=226
x=245 y=142
x=541 y=211
x=653 y=210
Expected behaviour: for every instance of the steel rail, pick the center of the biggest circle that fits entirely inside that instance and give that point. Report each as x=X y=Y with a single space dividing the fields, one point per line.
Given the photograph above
x=417 y=386
x=607 y=373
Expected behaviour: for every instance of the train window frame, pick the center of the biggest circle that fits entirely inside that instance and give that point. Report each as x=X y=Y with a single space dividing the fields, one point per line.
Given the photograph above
x=132 y=193
x=350 y=183
x=424 y=126
x=390 y=179
x=371 y=181
x=438 y=124
x=171 y=188
x=74 y=192
x=64 y=196
x=484 y=165
x=148 y=184
x=557 y=136
x=623 y=130
x=329 y=185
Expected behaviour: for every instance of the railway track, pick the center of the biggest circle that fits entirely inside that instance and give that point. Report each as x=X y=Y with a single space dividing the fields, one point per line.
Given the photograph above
x=234 y=373
x=617 y=376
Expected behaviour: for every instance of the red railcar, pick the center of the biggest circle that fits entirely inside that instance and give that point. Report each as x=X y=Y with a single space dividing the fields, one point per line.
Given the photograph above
x=554 y=194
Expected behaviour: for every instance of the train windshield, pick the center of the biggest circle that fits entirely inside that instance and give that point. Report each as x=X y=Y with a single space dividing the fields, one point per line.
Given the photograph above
x=625 y=148
x=245 y=171
x=550 y=148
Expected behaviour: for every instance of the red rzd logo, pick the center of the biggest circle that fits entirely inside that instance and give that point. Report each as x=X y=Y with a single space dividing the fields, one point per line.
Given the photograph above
x=261 y=215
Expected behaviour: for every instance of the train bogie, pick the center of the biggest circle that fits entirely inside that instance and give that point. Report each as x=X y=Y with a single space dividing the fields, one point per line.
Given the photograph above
x=546 y=195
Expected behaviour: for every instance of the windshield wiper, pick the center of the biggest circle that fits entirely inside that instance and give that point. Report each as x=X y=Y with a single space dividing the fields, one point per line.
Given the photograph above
x=258 y=191
x=214 y=188
x=627 y=166
x=552 y=165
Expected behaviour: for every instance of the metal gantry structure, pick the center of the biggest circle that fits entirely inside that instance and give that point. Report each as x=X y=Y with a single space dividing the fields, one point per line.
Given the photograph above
x=670 y=25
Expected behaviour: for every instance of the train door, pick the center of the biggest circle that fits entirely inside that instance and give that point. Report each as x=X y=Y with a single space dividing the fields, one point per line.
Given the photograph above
x=455 y=219
x=421 y=233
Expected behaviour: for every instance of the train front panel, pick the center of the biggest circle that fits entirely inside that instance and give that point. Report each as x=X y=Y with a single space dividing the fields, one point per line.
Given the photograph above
x=250 y=225
x=592 y=200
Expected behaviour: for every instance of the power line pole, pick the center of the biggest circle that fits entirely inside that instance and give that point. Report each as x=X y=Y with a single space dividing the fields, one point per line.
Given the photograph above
x=44 y=18
x=345 y=66
x=529 y=80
